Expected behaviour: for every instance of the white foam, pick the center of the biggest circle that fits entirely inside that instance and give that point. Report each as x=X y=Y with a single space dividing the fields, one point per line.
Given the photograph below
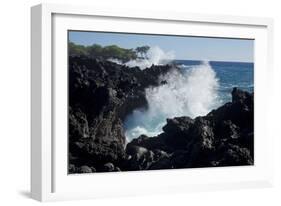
x=155 y=56
x=117 y=61
x=192 y=92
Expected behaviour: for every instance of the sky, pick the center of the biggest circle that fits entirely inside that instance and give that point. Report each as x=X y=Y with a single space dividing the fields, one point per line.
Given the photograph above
x=183 y=47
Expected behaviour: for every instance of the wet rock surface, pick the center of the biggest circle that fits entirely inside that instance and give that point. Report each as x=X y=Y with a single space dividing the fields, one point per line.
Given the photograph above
x=224 y=137
x=102 y=94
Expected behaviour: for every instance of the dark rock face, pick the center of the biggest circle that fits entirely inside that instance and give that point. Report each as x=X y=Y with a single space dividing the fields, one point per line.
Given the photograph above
x=102 y=94
x=224 y=137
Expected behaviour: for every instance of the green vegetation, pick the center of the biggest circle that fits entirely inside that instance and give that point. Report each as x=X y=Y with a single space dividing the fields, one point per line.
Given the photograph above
x=108 y=52
x=142 y=51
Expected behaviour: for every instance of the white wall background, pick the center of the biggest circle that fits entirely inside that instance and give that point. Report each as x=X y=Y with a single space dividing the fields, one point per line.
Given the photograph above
x=15 y=101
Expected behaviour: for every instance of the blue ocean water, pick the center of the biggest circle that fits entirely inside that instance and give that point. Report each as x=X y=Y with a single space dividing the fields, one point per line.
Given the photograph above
x=194 y=91
x=230 y=74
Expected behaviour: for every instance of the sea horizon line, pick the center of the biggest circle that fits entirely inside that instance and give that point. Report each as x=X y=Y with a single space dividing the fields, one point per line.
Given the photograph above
x=229 y=61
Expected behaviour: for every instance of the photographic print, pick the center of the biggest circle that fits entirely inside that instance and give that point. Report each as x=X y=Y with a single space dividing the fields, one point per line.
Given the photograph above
x=151 y=102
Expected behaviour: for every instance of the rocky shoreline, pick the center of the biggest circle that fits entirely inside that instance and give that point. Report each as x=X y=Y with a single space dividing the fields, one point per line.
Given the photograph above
x=102 y=94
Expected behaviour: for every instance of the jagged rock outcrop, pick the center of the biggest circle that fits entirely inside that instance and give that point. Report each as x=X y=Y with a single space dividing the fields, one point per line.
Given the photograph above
x=101 y=95
x=224 y=137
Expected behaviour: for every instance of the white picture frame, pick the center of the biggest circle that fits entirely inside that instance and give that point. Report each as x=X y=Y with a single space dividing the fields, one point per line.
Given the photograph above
x=49 y=178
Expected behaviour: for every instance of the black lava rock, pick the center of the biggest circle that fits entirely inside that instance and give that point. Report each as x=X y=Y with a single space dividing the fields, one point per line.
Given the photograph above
x=101 y=95
x=224 y=137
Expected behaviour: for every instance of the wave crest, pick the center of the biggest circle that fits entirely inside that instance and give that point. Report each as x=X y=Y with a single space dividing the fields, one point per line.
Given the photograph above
x=155 y=55
x=190 y=92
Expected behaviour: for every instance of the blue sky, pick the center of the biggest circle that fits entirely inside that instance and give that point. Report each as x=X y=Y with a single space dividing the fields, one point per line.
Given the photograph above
x=189 y=48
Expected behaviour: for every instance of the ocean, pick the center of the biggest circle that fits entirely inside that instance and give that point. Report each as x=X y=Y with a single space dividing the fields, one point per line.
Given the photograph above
x=229 y=74
x=195 y=90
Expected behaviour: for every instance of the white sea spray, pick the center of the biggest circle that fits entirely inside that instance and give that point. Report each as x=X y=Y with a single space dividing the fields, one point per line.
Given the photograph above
x=191 y=92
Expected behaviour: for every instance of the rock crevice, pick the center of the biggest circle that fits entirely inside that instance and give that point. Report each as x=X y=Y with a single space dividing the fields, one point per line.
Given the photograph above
x=102 y=94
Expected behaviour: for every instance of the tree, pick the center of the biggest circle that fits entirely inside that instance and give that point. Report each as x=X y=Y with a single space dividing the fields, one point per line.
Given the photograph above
x=142 y=51
x=95 y=50
x=107 y=52
x=75 y=49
